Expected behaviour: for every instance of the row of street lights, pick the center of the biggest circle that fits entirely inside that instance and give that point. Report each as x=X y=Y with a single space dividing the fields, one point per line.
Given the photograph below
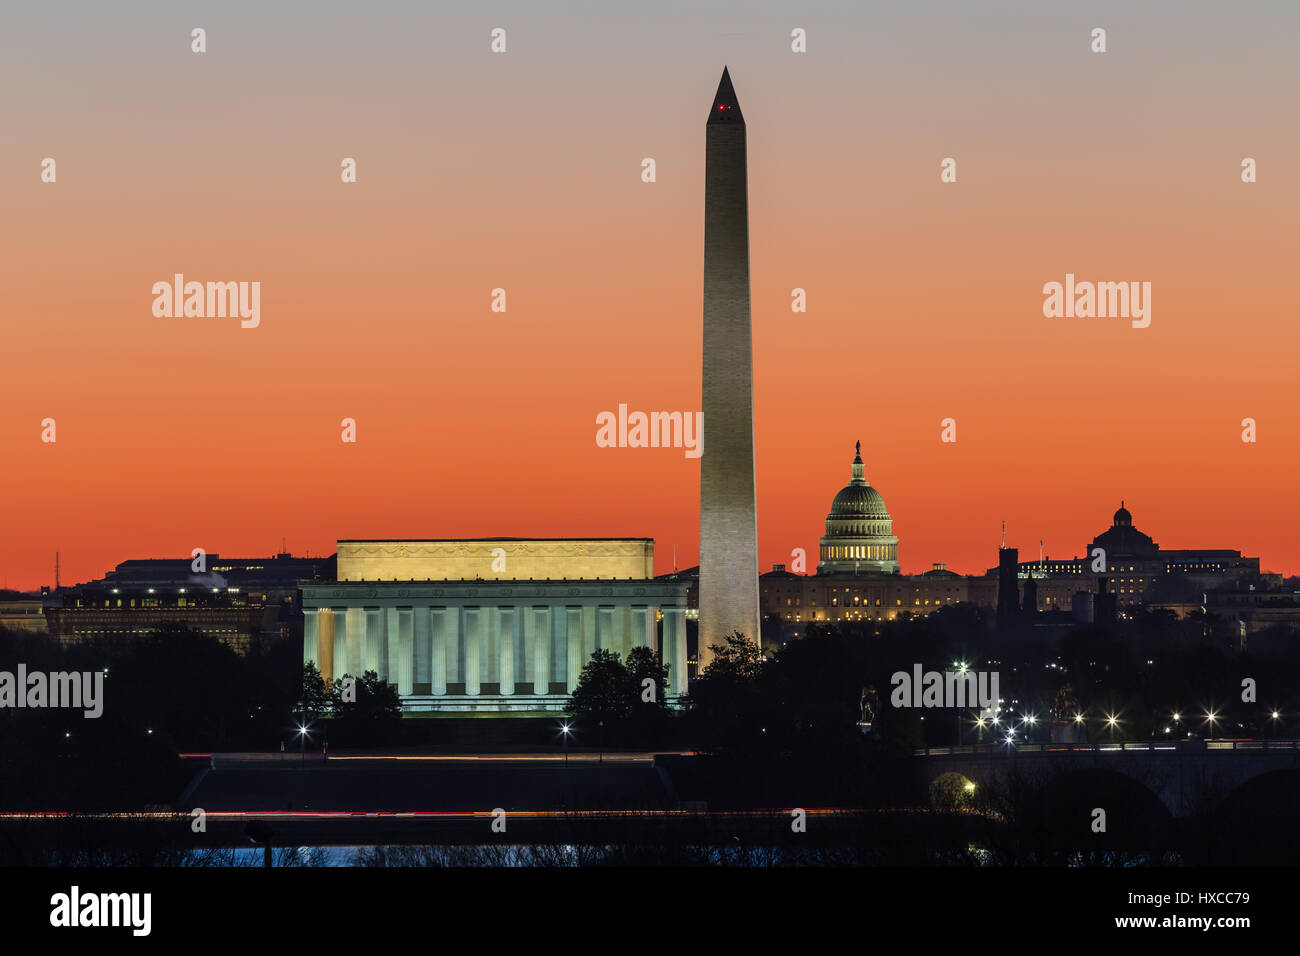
x=1111 y=721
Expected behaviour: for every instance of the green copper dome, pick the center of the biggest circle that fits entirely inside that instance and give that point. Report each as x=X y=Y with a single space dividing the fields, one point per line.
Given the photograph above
x=858 y=501
x=859 y=531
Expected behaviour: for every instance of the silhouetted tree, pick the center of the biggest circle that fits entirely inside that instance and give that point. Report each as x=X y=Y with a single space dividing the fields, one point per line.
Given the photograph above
x=606 y=689
x=375 y=713
x=314 y=696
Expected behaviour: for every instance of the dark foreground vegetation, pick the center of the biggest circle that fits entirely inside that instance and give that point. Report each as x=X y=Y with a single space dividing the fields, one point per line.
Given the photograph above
x=783 y=730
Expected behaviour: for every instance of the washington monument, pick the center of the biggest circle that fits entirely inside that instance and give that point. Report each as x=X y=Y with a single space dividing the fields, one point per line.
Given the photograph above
x=728 y=513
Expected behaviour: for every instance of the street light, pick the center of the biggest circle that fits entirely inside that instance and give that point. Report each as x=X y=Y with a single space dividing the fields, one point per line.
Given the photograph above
x=564 y=731
x=1210 y=718
x=302 y=746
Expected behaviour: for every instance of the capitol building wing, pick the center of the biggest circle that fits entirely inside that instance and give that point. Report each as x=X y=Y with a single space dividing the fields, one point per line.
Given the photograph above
x=492 y=624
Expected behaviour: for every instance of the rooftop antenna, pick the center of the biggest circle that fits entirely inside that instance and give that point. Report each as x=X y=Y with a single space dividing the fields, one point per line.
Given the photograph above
x=674 y=557
x=56 y=570
x=1040 y=552
x=1004 y=532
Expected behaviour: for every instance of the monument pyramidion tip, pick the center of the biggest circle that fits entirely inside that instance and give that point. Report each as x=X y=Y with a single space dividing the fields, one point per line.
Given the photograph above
x=726 y=108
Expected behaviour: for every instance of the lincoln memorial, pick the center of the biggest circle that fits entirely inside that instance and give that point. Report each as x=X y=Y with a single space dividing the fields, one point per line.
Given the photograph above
x=491 y=624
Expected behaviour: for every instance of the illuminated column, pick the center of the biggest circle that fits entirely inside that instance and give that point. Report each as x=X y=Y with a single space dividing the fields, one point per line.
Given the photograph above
x=374 y=636
x=439 y=621
x=454 y=628
x=325 y=646
x=605 y=628
x=490 y=659
x=353 y=621
x=339 y=640
x=310 y=640
x=473 y=640
x=623 y=630
x=675 y=648
x=541 y=650
x=388 y=648
x=559 y=643
x=589 y=645
x=507 y=658
x=405 y=651
x=420 y=652
x=573 y=645
x=636 y=634
x=652 y=629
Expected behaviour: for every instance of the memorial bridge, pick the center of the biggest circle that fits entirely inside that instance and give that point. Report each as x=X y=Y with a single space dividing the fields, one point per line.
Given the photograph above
x=1188 y=776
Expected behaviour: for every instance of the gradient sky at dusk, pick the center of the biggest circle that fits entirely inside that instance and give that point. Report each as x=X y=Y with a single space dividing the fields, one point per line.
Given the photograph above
x=523 y=171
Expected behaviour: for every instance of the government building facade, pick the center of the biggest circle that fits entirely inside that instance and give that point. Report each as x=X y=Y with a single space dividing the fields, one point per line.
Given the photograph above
x=491 y=625
x=858 y=577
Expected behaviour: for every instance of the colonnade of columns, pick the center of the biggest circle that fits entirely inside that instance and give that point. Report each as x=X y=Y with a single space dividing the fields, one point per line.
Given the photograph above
x=544 y=646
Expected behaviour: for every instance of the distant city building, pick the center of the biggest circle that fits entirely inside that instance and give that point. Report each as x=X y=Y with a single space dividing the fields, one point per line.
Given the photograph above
x=239 y=601
x=1008 y=590
x=859 y=532
x=26 y=615
x=858 y=579
x=858 y=575
x=109 y=614
x=491 y=625
x=1137 y=571
x=1250 y=611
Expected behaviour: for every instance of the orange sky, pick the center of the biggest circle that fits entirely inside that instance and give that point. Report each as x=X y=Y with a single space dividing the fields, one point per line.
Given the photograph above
x=519 y=171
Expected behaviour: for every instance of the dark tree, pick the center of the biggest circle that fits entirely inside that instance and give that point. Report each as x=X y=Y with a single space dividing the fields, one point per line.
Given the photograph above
x=727 y=699
x=649 y=720
x=606 y=690
x=643 y=664
x=314 y=697
x=373 y=716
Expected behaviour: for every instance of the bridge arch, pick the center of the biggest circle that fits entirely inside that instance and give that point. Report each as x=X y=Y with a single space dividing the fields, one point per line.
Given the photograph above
x=1257 y=824
x=952 y=791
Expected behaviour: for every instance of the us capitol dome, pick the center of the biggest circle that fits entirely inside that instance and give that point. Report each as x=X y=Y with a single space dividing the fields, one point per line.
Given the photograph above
x=859 y=532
